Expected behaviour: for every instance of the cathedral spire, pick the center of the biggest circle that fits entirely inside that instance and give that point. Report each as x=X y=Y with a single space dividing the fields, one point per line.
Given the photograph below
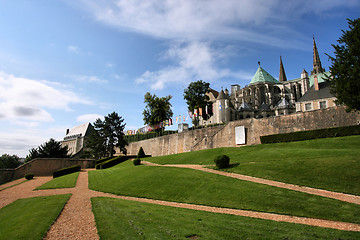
x=317 y=68
x=282 y=75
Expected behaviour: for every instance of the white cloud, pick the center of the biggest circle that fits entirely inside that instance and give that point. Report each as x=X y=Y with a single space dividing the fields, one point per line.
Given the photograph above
x=89 y=79
x=74 y=49
x=19 y=143
x=25 y=99
x=21 y=140
x=193 y=61
x=178 y=19
x=199 y=24
x=255 y=21
x=88 y=118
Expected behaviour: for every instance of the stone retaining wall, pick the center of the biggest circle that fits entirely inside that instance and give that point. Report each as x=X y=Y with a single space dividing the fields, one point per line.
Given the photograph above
x=224 y=136
x=43 y=167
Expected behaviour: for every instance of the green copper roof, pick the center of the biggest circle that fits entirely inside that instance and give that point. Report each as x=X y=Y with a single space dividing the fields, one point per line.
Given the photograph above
x=262 y=76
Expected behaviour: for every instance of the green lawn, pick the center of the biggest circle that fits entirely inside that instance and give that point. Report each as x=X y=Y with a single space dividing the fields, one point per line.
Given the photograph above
x=30 y=218
x=329 y=163
x=122 y=219
x=192 y=186
x=66 y=181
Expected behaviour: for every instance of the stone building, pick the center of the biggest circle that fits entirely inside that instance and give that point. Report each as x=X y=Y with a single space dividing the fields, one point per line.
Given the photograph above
x=318 y=97
x=75 y=138
x=267 y=96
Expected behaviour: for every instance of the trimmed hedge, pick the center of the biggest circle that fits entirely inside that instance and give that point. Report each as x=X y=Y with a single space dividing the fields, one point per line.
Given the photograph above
x=141 y=153
x=222 y=161
x=29 y=176
x=65 y=171
x=103 y=160
x=113 y=161
x=149 y=135
x=311 y=134
x=136 y=161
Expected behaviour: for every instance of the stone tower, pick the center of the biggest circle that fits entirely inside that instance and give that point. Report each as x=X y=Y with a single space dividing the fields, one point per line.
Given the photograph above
x=222 y=108
x=317 y=68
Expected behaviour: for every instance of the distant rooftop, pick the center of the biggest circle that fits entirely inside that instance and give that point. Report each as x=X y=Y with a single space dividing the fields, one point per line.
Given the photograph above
x=78 y=131
x=324 y=92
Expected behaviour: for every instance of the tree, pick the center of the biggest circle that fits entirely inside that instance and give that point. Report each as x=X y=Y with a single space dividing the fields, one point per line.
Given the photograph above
x=345 y=69
x=49 y=149
x=110 y=134
x=195 y=96
x=7 y=161
x=95 y=146
x=157 y=109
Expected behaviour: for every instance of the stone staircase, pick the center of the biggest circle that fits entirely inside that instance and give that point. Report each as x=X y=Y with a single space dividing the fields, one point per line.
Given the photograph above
x=206 y=137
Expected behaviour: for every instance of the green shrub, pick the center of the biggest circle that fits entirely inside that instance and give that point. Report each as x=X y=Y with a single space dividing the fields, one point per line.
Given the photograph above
x=112 y=162
x=29 y=176
x=144 y=136
x=141 y=153
x=65 y=171
x=312 y=134
x=222 y=161
x=103 y=160
x=136 y=161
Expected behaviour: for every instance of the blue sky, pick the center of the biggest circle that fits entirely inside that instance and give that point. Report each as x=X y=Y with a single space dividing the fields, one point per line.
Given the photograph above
x=67 y=62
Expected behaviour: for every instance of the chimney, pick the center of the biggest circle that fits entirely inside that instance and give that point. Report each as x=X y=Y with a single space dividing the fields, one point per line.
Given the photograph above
x=316 y=83
x=67 y=131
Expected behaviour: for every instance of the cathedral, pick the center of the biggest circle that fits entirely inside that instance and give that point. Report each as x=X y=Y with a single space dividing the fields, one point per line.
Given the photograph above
x=265 y=96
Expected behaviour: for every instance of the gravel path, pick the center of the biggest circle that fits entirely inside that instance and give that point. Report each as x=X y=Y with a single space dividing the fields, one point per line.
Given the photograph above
x=76 y=221
x=10 y=184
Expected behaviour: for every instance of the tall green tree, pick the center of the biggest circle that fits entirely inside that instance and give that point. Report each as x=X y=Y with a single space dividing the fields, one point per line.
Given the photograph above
x=8 y=162
x=110 y=135
x=157 y=109
x=195 y=96
x=49 y=149
x=345 y=69
x=95 y=146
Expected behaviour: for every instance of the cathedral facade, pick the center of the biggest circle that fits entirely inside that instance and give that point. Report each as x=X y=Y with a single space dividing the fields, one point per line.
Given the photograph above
x=266 y=96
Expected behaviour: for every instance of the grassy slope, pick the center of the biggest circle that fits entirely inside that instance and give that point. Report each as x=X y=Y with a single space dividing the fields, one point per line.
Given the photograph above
x=331 y=163
x=121 y=219
x=191 y=186
x=66 y=181
x=30 y=218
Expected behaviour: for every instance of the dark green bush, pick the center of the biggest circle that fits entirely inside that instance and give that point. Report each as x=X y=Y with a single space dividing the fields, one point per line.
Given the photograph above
x=29 y=176
x=144 y=136
x=65 y=171
x=222 y=161
x=113 y=161
x=141 y=153
x=103 y=160
x=136 y=161
x=312 y=134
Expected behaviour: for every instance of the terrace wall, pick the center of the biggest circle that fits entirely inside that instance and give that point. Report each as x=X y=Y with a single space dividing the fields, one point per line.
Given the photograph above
x=224 y=136
x=43 y=167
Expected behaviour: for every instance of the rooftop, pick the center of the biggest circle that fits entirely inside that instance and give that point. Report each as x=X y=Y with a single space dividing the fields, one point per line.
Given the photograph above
x=78 y=131
x=324 y=92
x=262 y=76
